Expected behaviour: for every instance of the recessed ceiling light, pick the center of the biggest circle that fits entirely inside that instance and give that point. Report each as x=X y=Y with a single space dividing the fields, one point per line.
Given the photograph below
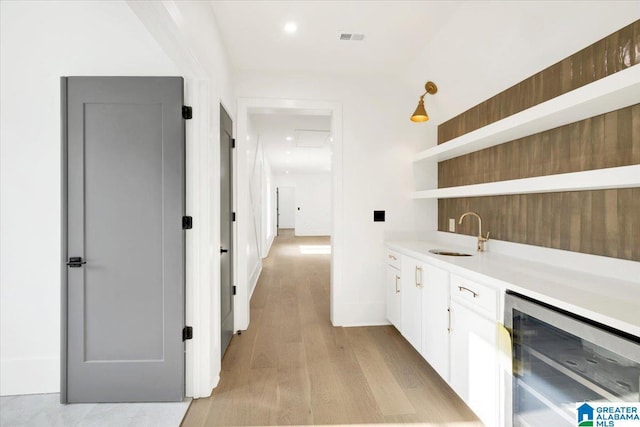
x=289 y=138
x=286 y=171
x=290 y=27
x=288 y=152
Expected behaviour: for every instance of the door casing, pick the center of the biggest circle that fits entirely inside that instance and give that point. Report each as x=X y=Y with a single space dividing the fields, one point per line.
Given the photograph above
x=340 y=313
x=226 y=230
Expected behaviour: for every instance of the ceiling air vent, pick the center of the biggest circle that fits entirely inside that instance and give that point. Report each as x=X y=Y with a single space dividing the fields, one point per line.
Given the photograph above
x=311 y=138
x=351 y=37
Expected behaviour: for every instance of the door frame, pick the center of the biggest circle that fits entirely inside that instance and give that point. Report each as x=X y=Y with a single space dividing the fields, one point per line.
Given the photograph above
x=203 y=353
x=232 y=230
x=241 y=179
x=203 y=91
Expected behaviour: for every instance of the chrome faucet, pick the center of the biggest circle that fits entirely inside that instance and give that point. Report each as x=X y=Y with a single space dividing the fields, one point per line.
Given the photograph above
x=481 y=240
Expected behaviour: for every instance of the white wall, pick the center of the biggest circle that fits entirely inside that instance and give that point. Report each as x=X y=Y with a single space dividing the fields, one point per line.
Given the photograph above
x=378 y=141
x=469 y=64
x=41 y=41
x=256 y=200
x=312 y=195
x=268 y=209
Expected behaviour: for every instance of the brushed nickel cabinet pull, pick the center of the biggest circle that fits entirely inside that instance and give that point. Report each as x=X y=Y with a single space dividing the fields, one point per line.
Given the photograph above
x=449 y=319
x=462 y=288
x=418 y=276
x=393 y=257
x=397 y=290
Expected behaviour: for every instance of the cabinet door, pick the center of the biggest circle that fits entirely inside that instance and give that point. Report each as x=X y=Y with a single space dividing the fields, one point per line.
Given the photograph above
x=474 y=363
x=394 y=297
x=412 y=274
x=435 y=319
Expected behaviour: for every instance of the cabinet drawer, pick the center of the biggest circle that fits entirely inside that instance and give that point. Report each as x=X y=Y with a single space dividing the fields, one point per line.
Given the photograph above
x=475 y=295
x=393 y=258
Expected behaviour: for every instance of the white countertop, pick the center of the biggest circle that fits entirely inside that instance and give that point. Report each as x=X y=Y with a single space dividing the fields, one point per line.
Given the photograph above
x=610 y=301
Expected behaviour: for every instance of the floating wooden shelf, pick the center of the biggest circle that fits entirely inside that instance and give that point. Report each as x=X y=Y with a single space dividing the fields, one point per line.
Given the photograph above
x=598 y=179
x=613 y=92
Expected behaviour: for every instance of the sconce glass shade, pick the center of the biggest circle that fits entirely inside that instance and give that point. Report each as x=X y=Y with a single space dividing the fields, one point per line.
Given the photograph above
x=420 y=115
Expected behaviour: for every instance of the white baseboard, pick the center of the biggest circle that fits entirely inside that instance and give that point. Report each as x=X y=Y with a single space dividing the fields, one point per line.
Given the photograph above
x=253 y=280
x=361 y=314
x=312 y=233
x=214 y=384
x=362 y=325
x=269 y=244
x=29 y=376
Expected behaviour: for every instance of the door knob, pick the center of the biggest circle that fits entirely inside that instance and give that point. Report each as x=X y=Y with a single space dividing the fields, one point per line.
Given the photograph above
x=223 y=251
x=76 y=261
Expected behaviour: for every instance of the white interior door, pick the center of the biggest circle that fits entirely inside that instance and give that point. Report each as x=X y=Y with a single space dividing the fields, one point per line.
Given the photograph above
x=286 y=207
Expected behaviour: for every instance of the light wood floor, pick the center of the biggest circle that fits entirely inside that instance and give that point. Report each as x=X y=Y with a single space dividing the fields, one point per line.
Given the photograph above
x=292 y=367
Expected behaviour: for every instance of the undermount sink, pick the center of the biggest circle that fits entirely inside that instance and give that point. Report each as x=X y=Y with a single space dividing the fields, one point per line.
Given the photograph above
x=448 y=253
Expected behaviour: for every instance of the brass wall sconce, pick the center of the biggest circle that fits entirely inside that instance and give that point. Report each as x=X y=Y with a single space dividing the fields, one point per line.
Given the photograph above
x=420 y=115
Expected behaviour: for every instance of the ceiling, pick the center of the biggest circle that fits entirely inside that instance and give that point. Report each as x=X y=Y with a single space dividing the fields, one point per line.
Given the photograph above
x=471 y=49
x=414 y=38
x=294 y=141
x=253 y=34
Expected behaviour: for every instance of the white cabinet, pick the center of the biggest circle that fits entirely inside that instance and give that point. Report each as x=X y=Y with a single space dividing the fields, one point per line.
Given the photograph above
x=393 y=292
x=425 y=317
x=473 y=347
x=452 y=323
x=394 y=297
x=435 y=318
x=412 y=273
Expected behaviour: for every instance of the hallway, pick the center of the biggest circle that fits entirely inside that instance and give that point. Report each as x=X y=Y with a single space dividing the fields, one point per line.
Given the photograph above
x=292 y=367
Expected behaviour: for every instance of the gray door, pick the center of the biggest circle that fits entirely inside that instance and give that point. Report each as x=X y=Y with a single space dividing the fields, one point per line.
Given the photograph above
x=123 y=285
x=226 y=230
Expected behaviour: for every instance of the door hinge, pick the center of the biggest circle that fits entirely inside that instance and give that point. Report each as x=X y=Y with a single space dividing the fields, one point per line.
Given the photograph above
x=187 y=333
x=187 y=112
x=233 y=143
x=233 y=216
x=234 y=290
x=187 y=223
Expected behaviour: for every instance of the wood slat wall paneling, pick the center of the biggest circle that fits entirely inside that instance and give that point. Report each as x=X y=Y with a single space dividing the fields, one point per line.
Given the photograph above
x=614 y=53
x=552 y=82
x=603 y=222
x=635 y=134
x=636 y=41
x=608 y=140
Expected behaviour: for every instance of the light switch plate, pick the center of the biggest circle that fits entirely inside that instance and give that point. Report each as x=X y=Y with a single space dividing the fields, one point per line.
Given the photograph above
x=378 y=216
x=452 y=225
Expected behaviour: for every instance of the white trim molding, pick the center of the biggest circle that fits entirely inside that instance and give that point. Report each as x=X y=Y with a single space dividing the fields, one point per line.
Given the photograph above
x=241 y=177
